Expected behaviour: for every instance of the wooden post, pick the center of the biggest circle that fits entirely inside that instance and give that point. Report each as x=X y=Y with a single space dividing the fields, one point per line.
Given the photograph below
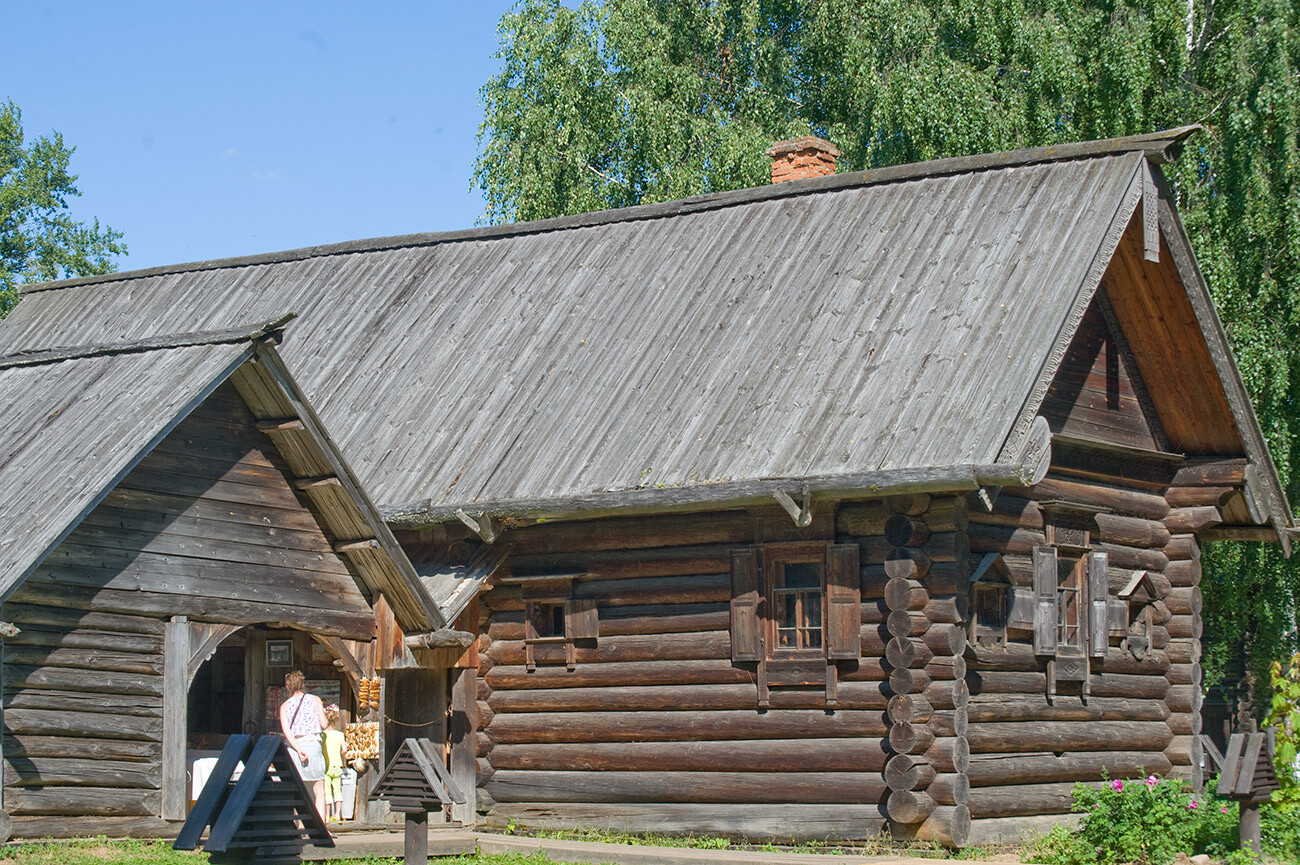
x=464 y=741
x=176 y=660
x=416 y=851
x=255 y=683
x=1248 y=827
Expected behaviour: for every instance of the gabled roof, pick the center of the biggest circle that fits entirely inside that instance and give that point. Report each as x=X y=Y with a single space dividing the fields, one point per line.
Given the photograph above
x=868 y=331
x=80 y=418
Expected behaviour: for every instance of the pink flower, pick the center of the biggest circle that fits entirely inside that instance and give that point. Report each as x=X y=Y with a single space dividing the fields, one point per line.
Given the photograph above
x=1117 y=784
x=1152 y=782
x=1223 y=810
x=1191 y=806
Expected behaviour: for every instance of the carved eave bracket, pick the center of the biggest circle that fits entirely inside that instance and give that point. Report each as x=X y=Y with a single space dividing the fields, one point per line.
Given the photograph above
x=801 y=514
x=443 y=638
x=480 y=525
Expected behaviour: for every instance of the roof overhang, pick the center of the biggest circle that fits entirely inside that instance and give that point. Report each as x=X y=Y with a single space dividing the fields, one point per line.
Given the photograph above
x=731 y=494
x=255 y=369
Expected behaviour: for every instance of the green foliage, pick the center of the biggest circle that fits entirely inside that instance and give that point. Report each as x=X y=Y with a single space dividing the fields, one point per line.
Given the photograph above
x=607 y=836
x=38 y=239
x=1280 y=816
x=1147 y=821
x=628 y=101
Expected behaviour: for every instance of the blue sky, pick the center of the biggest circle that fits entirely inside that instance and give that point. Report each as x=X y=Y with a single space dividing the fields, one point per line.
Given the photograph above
x=205 y=130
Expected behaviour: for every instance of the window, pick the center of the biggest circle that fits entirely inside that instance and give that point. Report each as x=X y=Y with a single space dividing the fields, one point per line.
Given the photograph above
x=795 y=610
x=1071 y=617
x=1069 y=604
x=556 y=623
x=543 y=621
x=797 y=606
x=1071 y=620
x=1137 y=597
x=992 y=595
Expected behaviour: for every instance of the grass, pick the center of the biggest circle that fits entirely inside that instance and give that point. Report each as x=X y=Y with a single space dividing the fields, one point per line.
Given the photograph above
x=103 y=852
x=879 y=846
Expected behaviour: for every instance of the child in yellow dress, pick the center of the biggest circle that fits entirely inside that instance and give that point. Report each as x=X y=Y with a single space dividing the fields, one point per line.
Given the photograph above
x=334 y=763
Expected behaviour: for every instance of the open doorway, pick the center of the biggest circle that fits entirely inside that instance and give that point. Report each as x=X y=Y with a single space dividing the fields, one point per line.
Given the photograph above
x=215 y=708
x=239 y=689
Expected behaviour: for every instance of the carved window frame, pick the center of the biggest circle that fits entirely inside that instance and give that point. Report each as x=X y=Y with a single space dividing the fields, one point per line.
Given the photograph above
x=755 y=633
x=1071 y=619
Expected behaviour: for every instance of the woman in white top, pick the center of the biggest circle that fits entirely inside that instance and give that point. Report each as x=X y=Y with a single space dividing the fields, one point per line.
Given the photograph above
x=302 y=718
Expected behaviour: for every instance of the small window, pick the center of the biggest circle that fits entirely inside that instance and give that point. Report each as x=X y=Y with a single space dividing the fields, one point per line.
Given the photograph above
x=990 y=620
x=1071 y=618
x=1069 y=600
x=1138 y=595
x=555 y=622
x=795 y=612
x=797 y=606
x=992 y=593
x=544 y=621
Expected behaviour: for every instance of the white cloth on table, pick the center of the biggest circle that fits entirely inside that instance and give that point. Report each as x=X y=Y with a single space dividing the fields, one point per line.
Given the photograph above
x=201 y=769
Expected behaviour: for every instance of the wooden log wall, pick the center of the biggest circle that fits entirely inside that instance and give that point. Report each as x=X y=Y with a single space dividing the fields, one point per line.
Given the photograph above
x=656 y=729
x=83 y=713
x=1140 y=716
x=925 y=774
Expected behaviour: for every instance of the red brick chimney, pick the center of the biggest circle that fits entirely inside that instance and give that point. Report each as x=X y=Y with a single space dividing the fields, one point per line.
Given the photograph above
x=797 y=158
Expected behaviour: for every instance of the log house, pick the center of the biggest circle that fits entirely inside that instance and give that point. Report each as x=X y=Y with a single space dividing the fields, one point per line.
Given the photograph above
x=864 y=501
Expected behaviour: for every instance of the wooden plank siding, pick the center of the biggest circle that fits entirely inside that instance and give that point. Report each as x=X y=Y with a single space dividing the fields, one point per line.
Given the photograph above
x=1093 y=395
x=207 y=525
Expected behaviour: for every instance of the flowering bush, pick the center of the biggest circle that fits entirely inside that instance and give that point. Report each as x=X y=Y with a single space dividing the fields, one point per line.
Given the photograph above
x=1147 y=821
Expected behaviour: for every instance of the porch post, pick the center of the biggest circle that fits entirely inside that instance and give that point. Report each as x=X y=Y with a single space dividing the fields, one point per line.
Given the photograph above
x=464 y=741
x=176 y=659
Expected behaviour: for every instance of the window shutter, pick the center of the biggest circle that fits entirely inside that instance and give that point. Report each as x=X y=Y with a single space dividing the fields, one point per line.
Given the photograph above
x=843 y=603
x=1023 y=604
x=580 y=619
x=1117 y=613
x=1098 y=597
x=1046 y=615
x=746 y=639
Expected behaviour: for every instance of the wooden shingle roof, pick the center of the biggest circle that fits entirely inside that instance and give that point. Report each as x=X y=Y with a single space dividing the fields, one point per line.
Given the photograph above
x=854 y=332
x=80 y=418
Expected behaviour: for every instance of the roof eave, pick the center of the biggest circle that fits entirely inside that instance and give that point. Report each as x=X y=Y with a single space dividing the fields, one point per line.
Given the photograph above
x=413 y=607
x=1216 y=338
x=724 y=494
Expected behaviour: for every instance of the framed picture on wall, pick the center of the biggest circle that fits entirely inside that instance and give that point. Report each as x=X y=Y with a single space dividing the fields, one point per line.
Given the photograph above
x=320 y=654
x=279 y=653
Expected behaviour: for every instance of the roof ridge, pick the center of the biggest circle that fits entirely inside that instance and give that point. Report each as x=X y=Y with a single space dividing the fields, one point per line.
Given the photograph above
x=246 y=333
x=1160 y=147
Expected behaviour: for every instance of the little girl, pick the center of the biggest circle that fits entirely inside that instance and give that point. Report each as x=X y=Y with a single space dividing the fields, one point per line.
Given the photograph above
x=334 y=762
